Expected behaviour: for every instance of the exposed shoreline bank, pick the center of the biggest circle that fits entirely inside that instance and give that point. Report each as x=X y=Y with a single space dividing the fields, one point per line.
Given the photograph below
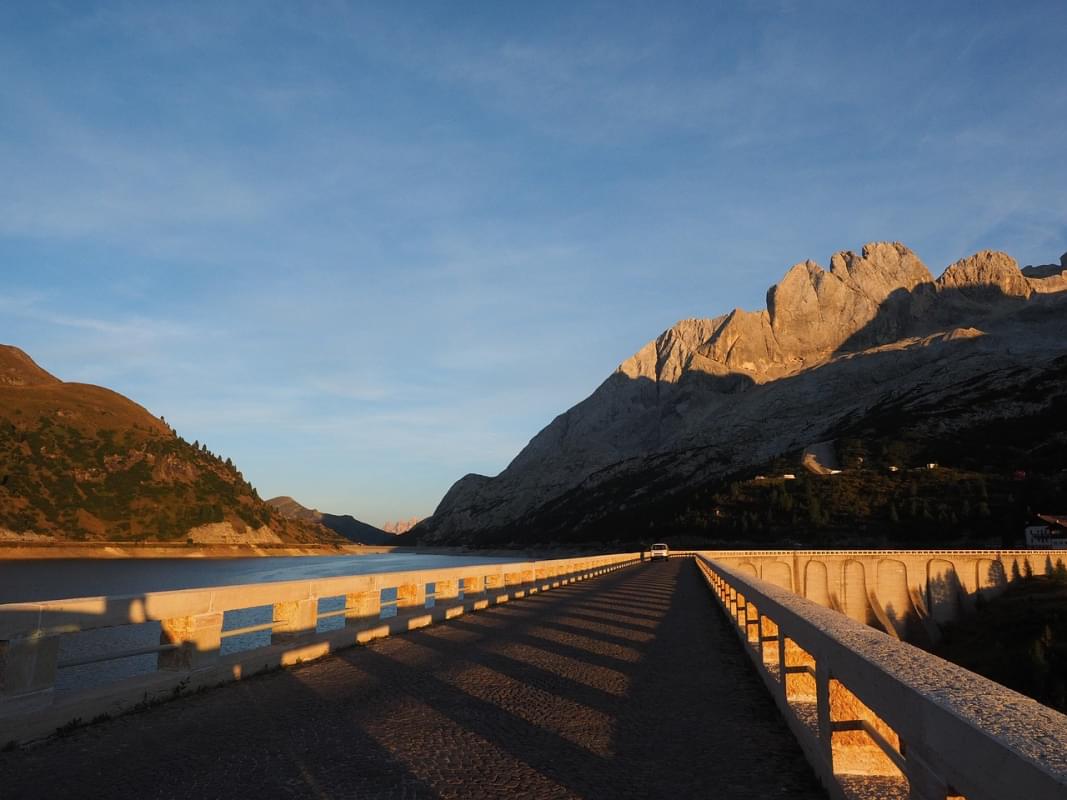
x=25 y=551
x=11 y=551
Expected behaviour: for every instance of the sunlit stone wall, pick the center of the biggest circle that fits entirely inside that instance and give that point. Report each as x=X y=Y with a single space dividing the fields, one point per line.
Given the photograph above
x=906 y=593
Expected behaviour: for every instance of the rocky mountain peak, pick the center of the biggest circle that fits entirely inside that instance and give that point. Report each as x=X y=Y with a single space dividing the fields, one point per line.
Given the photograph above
x=810 y=314
x=709 y=396
x=881 y=269
x=984 y=276
x=814 y=312
x=401 y=525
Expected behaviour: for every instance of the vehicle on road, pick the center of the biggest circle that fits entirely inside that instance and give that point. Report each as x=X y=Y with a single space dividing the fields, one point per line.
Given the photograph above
x=660 y=550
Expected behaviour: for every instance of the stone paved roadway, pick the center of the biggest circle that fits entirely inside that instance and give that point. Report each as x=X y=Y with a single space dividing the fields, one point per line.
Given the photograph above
x=626 y=686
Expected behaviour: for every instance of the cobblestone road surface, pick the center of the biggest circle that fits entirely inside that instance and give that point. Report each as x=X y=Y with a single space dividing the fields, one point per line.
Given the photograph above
x=626 y=686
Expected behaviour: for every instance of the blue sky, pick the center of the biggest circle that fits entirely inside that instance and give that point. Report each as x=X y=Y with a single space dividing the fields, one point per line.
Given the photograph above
x=363 y=249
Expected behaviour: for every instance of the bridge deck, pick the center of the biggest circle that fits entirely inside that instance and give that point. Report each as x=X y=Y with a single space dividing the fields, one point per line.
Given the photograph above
x=631 y=685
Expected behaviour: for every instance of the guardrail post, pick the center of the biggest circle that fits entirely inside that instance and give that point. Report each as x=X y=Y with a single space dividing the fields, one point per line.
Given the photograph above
x=541 y=576
x=198 y=637
x=362 y=608
x=492 y=584
x=822 y=707
x=445 y=590
x=517 y=583
x=27 y=673
x=557 y=576
x=781 y=662
x=294 y=618
x=411 y=595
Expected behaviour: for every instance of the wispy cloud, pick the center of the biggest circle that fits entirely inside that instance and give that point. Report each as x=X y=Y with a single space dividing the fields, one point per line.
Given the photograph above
x=365 y=249
x=139 y=329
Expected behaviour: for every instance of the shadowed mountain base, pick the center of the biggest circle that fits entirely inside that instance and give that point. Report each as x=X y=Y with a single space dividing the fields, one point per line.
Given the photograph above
x=628 y=686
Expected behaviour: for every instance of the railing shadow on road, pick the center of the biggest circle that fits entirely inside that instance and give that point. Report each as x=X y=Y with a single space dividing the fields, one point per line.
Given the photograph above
x=496 y=704
x=256 y=738
x=542 y=707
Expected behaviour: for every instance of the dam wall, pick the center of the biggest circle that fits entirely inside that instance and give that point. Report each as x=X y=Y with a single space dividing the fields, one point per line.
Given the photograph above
x=906 y=593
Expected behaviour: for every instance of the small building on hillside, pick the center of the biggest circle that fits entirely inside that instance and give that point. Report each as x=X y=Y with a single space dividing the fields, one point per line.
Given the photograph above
x=1047 y=532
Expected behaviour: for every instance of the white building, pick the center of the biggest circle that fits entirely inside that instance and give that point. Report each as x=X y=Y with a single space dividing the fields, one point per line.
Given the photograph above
x=1047 y=532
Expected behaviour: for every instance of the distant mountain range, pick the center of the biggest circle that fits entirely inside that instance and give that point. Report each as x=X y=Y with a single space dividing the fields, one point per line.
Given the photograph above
x=81 y=462
x=970 y=369
x=344 y=524
x=401 y=526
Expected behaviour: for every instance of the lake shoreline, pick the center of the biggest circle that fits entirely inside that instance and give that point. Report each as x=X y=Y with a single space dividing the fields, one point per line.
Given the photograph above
x=33 y=580
x=36 y=551
x=11 y=551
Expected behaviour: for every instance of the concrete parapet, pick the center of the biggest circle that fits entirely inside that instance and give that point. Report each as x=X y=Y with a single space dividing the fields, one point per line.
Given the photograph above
x=191 y=624
x=198 y=639
x=27 y=672
x=294 y=619
x=411 y=595
x=876 y=716
x=362 y=608
x=473 y=585
x=903 y=592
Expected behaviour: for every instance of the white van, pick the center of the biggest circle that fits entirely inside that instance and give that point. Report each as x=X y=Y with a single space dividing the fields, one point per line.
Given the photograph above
x=660 y=550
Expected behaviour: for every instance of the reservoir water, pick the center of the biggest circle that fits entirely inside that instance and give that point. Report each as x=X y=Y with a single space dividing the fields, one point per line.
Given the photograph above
x=54 y=579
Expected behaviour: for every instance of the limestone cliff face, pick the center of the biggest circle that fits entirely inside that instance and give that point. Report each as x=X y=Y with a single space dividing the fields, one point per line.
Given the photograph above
x=986 y=276
x=1047 y=278
x=810 y=314
x=711 y=395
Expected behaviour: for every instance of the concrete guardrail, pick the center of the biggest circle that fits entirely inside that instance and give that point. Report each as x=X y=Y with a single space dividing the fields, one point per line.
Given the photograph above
x=192 y=630
x=879 y=718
